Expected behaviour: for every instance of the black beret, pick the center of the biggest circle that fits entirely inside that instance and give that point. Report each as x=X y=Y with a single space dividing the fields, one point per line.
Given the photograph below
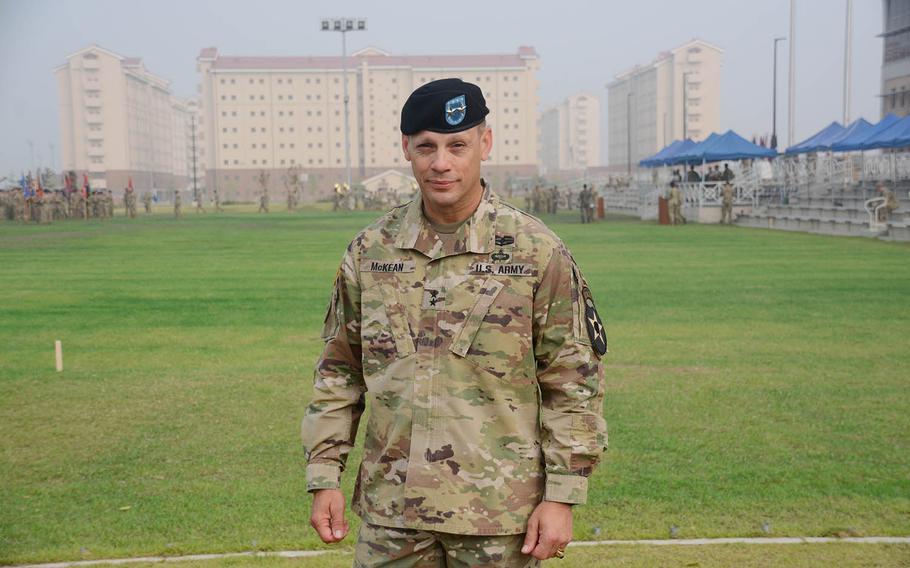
x=445 y=106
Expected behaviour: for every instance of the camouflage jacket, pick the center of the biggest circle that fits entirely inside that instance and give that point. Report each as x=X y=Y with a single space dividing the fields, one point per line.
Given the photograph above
x=484 y=384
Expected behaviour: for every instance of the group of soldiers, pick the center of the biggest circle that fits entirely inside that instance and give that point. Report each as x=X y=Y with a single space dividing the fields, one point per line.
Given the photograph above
x=55 y=205
x=547 y=200
x=675 y=202
x=347 y=198
x=714 y=174
x=544 y=200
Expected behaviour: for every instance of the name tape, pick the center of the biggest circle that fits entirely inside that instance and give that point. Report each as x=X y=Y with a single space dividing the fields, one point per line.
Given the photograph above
x=387 y=266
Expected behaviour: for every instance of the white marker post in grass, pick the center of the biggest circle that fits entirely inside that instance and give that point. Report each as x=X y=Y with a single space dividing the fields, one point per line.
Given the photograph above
x=58 y=351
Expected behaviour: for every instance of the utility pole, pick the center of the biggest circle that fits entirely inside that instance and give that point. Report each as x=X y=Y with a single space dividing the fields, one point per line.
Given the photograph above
x=629 y=131
x=193 y=134
x=774 y=97
x=848 y=61
x=791 y=83
x=685 y=90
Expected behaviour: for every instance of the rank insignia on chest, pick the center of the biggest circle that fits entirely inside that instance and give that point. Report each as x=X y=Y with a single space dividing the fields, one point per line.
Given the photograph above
x=596 y=332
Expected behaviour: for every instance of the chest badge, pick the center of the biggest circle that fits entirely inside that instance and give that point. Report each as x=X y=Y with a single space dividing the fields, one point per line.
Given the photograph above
x=501 y=256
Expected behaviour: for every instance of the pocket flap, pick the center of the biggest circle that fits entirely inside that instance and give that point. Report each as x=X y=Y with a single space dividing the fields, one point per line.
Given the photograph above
x=488 y=292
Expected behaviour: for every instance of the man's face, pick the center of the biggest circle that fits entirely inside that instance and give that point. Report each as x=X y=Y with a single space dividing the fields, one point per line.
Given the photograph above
x=447 y=166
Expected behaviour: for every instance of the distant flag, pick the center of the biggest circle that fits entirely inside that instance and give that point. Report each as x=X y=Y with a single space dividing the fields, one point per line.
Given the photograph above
x=131 y=183
x=753 y=139
x=23 y=183
x=86 y=188
x=774 y=141
x=39 y=190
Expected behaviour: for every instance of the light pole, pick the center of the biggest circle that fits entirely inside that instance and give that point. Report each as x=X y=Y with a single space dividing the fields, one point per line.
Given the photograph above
x=791 y=82
x=345 y=25
x=629 y=131
x=774 y=97
x=685 y=90
x=848 y=61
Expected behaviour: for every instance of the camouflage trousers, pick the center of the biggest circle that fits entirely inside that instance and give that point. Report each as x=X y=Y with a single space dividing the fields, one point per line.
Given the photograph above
x=410 y=548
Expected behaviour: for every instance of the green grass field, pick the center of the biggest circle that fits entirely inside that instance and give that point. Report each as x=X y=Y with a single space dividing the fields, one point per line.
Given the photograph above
x=754 y=377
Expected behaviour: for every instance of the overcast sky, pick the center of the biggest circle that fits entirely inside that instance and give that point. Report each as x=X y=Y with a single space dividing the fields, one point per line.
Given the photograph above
x=582 y=45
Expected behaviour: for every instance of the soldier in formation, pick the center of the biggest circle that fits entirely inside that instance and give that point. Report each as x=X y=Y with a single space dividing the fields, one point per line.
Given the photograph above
x=147 y=202
x=178 y=202
x=586 y=203
x=726 y=212
x=129 y=202
x=675 y=203
x=217 y=198
x=200 y=207
x=891 y=204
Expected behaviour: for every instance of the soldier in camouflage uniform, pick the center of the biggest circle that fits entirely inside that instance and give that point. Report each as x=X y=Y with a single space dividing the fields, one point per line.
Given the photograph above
x=726 y=211
x=147 y=202
x=470 y=330
x=178 y=202
x=675 y=203
x=218 y=207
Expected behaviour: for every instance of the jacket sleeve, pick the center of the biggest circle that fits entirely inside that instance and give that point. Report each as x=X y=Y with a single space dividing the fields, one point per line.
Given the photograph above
x=571 y=381
x=333 y=414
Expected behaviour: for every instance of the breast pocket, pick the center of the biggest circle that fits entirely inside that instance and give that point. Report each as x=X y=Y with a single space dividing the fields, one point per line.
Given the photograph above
x=385 y=334
x=495 y=334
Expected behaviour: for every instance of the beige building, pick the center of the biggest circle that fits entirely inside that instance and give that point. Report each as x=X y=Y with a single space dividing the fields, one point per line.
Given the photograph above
x=275 y=112
x=118 y=120
x=648 y=102
x=570 y=135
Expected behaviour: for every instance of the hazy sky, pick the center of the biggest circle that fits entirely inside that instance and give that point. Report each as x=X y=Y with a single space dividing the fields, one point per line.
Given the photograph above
x=582 y=45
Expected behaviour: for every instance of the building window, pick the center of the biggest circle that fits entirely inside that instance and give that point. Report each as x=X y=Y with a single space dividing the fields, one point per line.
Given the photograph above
x=254 y=162
x=222 y=81
x=227 y=162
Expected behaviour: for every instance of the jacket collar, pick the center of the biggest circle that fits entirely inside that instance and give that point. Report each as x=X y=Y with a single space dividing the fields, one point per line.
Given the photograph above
x=476 y=235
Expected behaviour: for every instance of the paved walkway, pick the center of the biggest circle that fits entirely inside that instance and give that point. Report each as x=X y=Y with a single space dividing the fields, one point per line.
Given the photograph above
x=668 y=542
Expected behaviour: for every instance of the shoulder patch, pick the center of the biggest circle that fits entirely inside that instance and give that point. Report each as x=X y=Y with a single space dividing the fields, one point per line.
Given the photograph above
x=596 y=332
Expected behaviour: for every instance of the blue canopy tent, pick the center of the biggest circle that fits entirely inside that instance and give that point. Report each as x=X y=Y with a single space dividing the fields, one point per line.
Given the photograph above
x=857 y=127
x=726 y=146
x=683 y=146
x=817 y=141
x=857 y=139
x=895 y=136
x=693 y=154
x=653 y=161
x=661 y=158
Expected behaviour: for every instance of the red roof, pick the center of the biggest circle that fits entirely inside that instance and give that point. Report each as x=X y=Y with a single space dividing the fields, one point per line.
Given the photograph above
x=375 y=60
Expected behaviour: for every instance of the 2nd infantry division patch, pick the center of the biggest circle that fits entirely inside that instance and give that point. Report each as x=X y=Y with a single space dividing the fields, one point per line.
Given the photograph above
x=596 y=332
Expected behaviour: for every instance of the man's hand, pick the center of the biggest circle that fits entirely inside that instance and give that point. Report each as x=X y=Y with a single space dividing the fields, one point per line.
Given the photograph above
x=549 y=529
x=327 y=517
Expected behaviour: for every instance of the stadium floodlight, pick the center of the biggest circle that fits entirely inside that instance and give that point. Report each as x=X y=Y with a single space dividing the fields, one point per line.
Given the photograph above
x=345 y=25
